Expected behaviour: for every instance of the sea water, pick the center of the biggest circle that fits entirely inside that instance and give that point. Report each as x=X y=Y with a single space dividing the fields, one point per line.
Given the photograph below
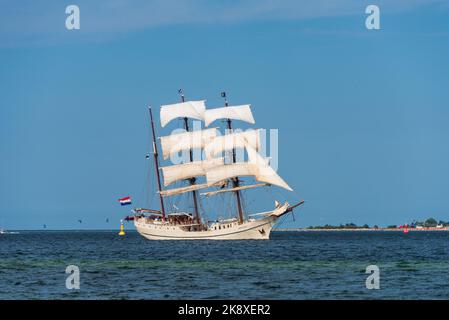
x=292 y=265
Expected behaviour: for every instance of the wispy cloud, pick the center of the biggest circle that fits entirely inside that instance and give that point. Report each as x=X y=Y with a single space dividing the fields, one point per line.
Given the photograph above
x=28 y=21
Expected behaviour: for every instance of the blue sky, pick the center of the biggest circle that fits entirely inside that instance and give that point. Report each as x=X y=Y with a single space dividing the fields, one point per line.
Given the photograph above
x=363 y=116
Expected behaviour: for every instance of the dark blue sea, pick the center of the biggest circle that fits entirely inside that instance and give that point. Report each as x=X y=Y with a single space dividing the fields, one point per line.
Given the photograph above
x=292 y=265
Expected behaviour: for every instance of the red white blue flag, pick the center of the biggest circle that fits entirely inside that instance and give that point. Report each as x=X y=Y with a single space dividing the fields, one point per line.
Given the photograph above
x=125 y=201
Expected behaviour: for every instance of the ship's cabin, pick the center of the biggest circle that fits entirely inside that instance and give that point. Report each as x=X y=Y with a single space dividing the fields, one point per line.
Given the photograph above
x=223 y=224
x=171 y=219
x=180 y=218
x=155 y=217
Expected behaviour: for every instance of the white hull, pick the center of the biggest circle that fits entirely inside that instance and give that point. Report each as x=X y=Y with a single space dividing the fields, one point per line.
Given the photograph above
x=257 y=230
x=248 y=230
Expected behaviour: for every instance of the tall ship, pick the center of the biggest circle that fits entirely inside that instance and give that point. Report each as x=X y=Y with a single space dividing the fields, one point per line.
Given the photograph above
x=201 y=193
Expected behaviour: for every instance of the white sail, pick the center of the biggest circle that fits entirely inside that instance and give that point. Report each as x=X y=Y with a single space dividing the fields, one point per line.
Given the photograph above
x=189 y=109
x=185 y=141
x=173 y=192
x=268 y=175
x=213 y=193
x=189 y=170
x=242 y=113
x=237 y=140
x=230 y=171
x=257 y=167
x=261 y=173
x=265 y=173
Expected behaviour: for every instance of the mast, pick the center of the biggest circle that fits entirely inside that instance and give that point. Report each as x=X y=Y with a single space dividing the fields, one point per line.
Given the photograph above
x=235 y=181
x=191 y=180
x=156 y=165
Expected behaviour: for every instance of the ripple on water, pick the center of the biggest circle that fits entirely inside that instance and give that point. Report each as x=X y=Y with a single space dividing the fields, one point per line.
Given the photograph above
x=293 y=265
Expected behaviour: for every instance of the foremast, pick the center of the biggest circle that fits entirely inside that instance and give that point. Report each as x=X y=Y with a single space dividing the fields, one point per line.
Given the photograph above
x=156 y=165
x=235 y=181
x=192 y=180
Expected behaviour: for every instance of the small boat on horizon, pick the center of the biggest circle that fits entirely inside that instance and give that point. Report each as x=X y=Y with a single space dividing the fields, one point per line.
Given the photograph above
x=3 y=231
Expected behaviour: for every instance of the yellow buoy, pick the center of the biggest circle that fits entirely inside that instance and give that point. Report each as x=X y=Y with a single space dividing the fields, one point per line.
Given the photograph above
x=122 y=230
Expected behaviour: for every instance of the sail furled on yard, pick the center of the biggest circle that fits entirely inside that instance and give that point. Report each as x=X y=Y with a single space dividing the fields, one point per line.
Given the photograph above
x=252 y=186
x=194 y=187
x=242 y=113
x=188 y=109
x=237 y=140
x=177 y=142
x=189 y=170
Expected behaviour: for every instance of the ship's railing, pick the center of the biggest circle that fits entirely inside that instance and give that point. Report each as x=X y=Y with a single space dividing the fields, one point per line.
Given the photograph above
x=260 y=214
x=169 y=222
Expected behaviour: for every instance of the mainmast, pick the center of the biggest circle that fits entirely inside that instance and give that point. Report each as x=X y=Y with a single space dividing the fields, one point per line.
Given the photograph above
x=156 y=164
x=235 y=181
x=191 y=180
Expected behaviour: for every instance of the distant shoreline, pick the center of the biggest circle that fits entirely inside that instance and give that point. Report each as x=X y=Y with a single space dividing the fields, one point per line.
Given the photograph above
x=362 y=229
x=274 y=230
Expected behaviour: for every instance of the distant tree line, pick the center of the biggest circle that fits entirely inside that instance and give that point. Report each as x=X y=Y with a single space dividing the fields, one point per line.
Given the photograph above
x=429 y=223
x=343 y=226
